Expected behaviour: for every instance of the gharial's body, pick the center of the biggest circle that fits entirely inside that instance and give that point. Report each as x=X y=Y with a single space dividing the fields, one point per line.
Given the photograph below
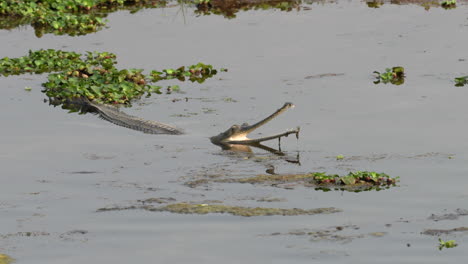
x=236 y=135
x=114 y=115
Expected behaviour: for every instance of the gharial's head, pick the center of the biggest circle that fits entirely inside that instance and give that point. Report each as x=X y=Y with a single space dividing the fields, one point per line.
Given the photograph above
x=238 y=134
x=234 y=133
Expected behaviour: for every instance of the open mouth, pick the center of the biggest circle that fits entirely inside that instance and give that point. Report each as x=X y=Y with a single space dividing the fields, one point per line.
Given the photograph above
x=238 y=134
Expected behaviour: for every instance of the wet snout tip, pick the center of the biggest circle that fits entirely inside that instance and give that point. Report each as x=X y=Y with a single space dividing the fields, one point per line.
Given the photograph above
x=289 y=104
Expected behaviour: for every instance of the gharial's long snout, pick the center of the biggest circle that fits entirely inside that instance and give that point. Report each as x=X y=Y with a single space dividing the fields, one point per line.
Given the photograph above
x=238 y=134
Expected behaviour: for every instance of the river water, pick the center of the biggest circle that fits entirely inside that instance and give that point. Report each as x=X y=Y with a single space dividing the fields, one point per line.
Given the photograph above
x=59 y=168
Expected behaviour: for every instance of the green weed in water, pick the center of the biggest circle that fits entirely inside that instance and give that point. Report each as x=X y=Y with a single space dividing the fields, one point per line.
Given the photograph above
x=395 y=75
x=93 y=75
x=449 y=4
x=461 y=81
x=447 y=244
x=77 y=17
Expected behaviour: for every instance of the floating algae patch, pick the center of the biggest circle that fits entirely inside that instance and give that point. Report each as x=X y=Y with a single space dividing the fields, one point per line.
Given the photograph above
x=190 y=208
x=5 y=259
x=354 y=182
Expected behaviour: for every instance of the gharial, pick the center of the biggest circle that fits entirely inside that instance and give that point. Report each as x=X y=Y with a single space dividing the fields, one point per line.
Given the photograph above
x=233 y=138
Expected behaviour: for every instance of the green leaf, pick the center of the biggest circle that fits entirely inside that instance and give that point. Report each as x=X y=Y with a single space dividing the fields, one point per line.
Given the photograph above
x=348 y=180
x=55 y=24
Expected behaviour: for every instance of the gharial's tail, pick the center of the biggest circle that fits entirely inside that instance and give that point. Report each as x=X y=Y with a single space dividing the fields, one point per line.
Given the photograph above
x=114 y=115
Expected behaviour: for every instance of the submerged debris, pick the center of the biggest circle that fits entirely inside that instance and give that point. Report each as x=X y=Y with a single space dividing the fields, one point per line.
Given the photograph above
x=24 y=234
x=334 y=234
x=190 y=208
x=322 y=75
x=450 y=216
x=438 y=232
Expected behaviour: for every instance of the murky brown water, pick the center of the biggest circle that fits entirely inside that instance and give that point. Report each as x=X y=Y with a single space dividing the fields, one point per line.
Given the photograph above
x=417 y=131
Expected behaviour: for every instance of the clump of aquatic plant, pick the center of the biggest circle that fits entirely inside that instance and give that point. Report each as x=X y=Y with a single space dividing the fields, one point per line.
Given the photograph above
x=371 y=177
x=461 y=81
x=340 y=157
x=229 y=8
x=426 y=4
x=94 y=76
x=39 y=62
x=65 y=17
x=195 y=73
x=203 y=4
x=449 y=4
x=354 y=181
x=447 y=244
x=81 y=17
x=395 y=75
x=374 y=4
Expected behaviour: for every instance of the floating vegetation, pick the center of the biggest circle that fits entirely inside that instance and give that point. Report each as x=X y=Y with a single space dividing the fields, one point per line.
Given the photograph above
x=374 y=4
x=461 y=81
x=229 y=8
x=86 y=16
x=94 y=76
x=395 y=75
x=447 y=244
x=355 y=181
x=190 y=208
x=82 y=17
x=449 y=4
x=186 y=208
x=5 y=259
x=66 y=17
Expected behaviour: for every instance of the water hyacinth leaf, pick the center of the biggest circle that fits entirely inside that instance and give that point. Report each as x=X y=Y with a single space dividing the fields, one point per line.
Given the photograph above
x=86 y=75
x=348 y=180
